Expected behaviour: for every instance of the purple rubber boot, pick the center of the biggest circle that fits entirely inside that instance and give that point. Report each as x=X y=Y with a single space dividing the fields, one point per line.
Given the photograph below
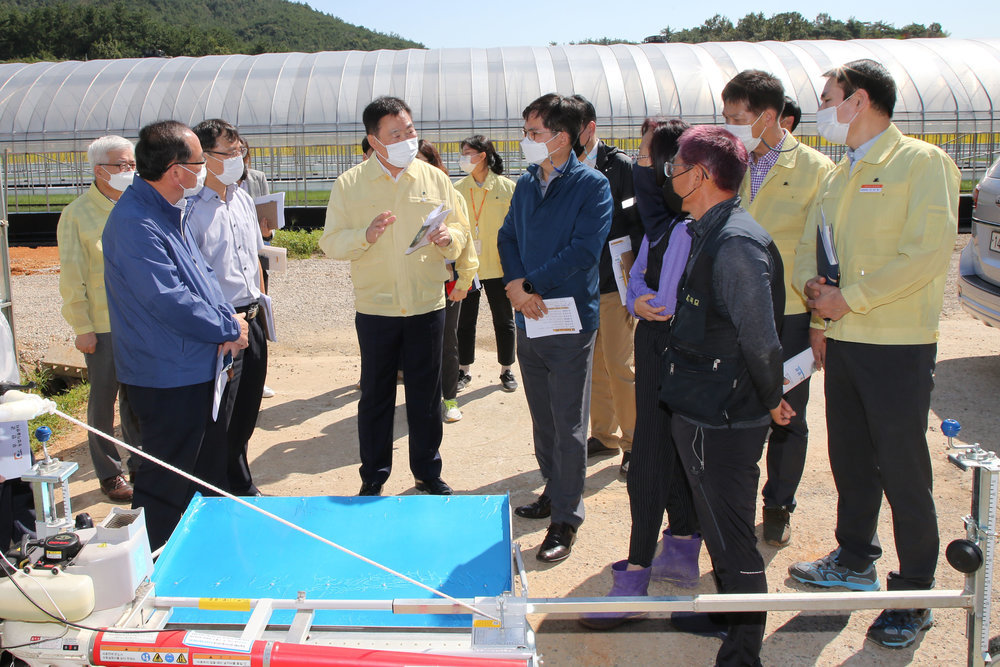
x=626 y=583
x=678 y=561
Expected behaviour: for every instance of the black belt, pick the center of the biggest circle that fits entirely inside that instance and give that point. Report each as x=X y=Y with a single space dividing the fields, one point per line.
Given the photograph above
x=250 y=309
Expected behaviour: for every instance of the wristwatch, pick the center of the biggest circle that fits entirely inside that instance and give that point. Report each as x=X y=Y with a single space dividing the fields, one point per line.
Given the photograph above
x=527 y=287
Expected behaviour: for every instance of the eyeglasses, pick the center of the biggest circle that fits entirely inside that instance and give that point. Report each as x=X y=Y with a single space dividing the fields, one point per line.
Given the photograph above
x=122 y=166
x=672 y=170
x=533 y=134
x=241 y=152
x=199 y=163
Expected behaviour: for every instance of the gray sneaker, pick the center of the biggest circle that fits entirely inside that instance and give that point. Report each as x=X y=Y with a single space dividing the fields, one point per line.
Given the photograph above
x=828 y=573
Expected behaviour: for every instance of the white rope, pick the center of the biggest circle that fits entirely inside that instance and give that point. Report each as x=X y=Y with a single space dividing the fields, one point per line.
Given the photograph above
x=275 y=517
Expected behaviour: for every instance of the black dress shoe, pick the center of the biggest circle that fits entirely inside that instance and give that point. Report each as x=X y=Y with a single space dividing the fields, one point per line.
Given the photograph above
x=540 y=509
x=558 y=543
x=370 y=489
x=435 y=487
x=596 y=448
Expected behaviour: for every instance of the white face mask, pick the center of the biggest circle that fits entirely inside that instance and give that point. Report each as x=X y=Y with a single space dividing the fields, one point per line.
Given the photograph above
x=191 y=192
x=121 y=180
x=232 y=169
x=401 y=153
x=829 y=126
x=745 y=134
x=535 y=152
x=590 y=159
x=465 y=164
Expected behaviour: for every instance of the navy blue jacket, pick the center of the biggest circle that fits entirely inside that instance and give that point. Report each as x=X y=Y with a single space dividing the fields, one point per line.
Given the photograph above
x=168 y=315
x=555 y=241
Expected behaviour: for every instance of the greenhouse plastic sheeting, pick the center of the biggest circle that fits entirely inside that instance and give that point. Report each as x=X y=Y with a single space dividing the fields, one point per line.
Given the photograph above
x=939 y=80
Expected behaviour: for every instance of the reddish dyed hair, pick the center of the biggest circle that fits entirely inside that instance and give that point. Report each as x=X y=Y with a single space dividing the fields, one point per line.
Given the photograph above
x=718 y=151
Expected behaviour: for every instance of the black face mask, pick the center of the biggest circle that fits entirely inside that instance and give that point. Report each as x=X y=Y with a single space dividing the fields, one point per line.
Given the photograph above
x=671 y=198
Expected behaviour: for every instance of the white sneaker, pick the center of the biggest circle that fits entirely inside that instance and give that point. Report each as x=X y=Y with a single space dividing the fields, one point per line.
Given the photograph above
x=268 y=392
x=451 y=412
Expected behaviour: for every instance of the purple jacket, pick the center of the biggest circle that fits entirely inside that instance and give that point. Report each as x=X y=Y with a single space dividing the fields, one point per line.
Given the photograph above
x=674 y=260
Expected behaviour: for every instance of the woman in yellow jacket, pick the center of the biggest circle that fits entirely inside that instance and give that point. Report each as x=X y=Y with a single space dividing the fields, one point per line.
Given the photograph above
x=487 y=195
x=463 y=271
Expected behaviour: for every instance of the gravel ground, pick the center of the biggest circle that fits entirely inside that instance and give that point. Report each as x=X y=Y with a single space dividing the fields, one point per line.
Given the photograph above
x=311 y=300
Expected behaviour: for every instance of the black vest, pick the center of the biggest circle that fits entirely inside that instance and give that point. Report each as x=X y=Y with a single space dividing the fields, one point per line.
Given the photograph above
x=704 y=375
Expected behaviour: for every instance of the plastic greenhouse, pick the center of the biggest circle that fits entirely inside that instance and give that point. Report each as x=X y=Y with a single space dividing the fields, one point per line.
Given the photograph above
x=302 y=112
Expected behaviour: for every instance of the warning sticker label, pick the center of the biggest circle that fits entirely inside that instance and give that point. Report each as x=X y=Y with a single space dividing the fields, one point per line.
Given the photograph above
x=144 y=656
x=219 y=660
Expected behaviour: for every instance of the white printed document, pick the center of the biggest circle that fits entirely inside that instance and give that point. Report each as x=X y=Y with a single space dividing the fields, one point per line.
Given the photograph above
x=223 y=364
x=268 y=308
x=277 y=258
x=562 y=318
x=433 y=221
x=798 y=369
x=622 y=259
x=15 y=450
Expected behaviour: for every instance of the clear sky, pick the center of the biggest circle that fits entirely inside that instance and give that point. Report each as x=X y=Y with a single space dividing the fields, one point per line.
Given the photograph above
x=438 y=24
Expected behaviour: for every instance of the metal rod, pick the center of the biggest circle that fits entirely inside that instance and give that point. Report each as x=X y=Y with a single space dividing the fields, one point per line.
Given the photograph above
x=824 y=601
x=820 y=601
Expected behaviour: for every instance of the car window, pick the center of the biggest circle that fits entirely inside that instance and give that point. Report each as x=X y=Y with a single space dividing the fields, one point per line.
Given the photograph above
x=994 y=170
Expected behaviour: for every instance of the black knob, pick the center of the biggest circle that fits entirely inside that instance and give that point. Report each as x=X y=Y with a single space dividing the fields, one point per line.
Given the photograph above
x=83 y=520
x=964 y=555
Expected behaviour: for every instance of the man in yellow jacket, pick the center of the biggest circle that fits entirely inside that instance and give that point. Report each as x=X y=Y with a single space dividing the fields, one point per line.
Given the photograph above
x=778 y=191
x=892 y=203
x=85 y=305
x=375 y=213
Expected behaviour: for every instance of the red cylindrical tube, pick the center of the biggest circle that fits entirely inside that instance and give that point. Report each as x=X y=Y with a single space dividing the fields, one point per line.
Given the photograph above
x=171 y=647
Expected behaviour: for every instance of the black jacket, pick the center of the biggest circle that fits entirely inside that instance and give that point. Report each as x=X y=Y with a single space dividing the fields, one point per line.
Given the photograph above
x=617 y=167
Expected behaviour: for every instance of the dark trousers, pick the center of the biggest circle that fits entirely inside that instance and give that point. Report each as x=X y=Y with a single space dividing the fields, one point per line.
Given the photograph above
x=104 y=389
x=503 y=323
x=384 y=341
x=173 y=423
x=449 y=353
x=242 y=399
x=877 y=399
x=721 y=465
x=556 y=373
x=786 y=446
x=655 y=476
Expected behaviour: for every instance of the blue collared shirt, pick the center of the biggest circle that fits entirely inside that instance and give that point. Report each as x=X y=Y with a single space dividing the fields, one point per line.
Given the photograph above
x=168 y=315
x=229 y=238
x=554 y=240
x=855 y=154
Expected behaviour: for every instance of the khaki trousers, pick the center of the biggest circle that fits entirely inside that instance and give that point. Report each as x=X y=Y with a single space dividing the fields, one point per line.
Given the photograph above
x=612 y=393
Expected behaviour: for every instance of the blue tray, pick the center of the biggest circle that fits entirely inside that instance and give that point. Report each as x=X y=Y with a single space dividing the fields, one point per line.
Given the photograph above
x=460 y=545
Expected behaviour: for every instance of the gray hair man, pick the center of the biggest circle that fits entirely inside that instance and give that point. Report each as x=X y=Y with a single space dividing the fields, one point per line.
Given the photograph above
x=85 y=305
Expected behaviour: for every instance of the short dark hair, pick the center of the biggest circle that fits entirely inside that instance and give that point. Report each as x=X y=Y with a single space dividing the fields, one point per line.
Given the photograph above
x=663 y=145
x=718 y=151
x=793 y=111
x=209 y=131
x=381 y=107
x=760 y=90
x=366 y=146
x=558 y=114
x=481 y=144
x=869 y=76
x=430 y=151
x=586 y=109
x=160 y=146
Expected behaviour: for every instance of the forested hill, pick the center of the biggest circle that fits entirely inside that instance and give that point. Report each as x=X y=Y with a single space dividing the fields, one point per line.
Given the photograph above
x=87 y=29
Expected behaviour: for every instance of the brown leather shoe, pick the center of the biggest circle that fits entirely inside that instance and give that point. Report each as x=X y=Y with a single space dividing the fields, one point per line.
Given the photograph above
x=117 y=489
x=558 y=543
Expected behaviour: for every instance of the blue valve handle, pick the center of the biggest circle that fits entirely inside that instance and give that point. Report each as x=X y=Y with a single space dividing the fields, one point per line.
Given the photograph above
x=43 y=433
x=950 y=427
